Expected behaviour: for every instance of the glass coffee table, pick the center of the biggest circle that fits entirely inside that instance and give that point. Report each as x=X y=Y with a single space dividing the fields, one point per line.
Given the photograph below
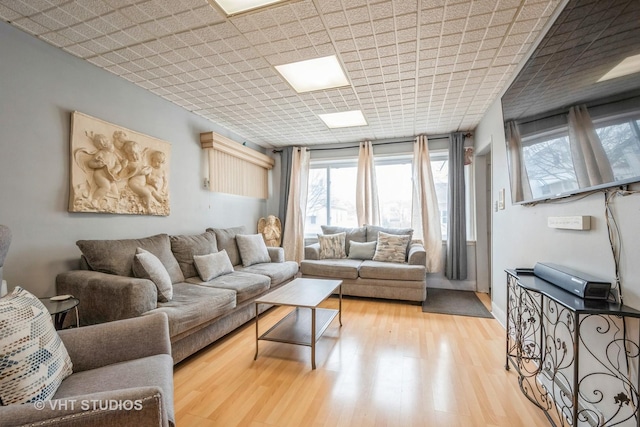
x=307 y=322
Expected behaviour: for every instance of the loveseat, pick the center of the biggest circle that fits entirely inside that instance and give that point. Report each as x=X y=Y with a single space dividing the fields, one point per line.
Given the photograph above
x=111 y=284
x=369 y=272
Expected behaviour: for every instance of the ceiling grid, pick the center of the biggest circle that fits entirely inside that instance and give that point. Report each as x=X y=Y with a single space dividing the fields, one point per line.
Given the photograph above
x=416 y=66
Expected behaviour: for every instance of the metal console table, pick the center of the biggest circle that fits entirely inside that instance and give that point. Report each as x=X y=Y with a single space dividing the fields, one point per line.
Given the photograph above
x=573 y=357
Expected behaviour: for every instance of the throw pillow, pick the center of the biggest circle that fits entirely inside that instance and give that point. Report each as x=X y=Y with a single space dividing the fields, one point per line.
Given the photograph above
x=184 y=247
x=33 y=358
x=391 y=247
x=226 y=238
x=332 y=245
x=353 y=234
x=362 y=250
x=147 y=266
x=213 y=265
x=253 y=249
x=116 y=256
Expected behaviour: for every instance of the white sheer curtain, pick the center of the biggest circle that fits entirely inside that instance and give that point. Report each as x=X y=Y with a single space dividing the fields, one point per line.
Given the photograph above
x=520 y=187
x=293 y=242
x=425 y=218
x=589 y=159
x=367 y=206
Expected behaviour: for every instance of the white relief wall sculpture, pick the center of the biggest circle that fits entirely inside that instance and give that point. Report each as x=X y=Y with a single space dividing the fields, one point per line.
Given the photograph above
x=117 y=170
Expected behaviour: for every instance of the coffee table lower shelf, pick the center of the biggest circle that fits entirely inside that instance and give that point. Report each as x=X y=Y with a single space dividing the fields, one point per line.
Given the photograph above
x=297 y=326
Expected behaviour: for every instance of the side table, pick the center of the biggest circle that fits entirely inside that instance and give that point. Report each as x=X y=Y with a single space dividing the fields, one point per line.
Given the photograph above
x=59 y=310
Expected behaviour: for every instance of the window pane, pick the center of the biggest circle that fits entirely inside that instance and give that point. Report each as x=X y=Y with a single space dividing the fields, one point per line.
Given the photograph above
x=394 y=194
x=343 y=197
x=622 y=147
x=549 y=167
x=316 y=201
x=440 y=171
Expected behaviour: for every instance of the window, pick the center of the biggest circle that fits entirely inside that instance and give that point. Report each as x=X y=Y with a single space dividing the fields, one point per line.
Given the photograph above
x=332 y=185
x=331 y=197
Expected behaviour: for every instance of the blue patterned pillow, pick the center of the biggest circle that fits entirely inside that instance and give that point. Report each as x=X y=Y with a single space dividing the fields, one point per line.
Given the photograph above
x=33 y=359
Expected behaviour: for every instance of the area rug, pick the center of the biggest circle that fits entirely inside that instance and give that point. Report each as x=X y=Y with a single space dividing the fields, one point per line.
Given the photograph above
x=457 y=303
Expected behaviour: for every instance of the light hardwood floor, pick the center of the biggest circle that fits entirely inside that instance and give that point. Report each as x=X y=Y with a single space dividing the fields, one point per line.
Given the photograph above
x=389 y=365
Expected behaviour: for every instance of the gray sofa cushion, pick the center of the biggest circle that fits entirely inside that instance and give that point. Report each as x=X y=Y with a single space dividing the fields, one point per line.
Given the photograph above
x=391 y=271
x=184 y=247
x=144 y=372
x=244 y=285
x=116 y=256
x=334 y=268
x=151 y=371
x=193 y=305
x=278 y=272
x=358 y=234
x=227 y=240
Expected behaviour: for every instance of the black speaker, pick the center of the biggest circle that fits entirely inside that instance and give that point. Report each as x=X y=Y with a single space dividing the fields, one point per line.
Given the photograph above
x=578 y=283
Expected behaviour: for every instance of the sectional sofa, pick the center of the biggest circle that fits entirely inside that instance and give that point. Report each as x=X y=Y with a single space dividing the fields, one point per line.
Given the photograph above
x=111 y=284
x=365 y=276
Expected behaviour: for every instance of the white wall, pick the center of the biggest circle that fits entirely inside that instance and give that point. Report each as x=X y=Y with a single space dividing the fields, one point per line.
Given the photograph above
x=521 y=236
x=40 y=86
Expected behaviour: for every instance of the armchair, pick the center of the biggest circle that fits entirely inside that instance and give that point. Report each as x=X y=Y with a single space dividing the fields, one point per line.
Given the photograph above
x=122 y=375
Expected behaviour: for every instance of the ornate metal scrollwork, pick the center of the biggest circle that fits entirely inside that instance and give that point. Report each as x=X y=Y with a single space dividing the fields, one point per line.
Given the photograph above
x=579 y=367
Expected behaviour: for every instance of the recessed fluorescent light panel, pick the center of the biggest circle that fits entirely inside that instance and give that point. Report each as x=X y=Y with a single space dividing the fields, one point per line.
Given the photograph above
x=231 y=7
x=629 y=65
x=343 y=120
x=314 y=74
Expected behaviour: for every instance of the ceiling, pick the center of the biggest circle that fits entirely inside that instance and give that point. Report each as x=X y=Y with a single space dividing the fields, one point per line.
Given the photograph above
x=415 y=66
x=587 y=40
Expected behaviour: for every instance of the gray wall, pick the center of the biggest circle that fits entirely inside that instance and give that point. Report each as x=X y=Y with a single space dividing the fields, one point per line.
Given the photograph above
x=520 y=236
x=39 y=87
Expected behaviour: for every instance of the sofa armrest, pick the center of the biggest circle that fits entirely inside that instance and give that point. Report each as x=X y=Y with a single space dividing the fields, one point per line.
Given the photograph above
x=276 y=254
x=417 y=254
x=312 y=251
x=92 y=347
x=94 y=410
x=107 y=297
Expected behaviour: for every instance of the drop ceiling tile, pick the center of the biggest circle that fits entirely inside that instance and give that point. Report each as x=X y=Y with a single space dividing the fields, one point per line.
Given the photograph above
x=362 y=30
x=455 y=11
x=432 y=15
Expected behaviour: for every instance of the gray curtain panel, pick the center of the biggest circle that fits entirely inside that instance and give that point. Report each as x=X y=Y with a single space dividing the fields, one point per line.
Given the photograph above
x=456 y=261
x=285 y=182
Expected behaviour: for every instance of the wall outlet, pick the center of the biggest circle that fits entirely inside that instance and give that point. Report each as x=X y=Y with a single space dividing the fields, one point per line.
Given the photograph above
x=206 y=183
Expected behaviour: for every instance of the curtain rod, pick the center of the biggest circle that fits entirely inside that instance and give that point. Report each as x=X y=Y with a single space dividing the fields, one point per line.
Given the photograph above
x=466 y=135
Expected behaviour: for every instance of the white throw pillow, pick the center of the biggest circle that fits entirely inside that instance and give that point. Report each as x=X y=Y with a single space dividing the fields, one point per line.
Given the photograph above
x=33 y=358
x=359 y=250
x=392 y=247
x=253 y=249
x=332 y=246
x=213 y=265
x=148 y=266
